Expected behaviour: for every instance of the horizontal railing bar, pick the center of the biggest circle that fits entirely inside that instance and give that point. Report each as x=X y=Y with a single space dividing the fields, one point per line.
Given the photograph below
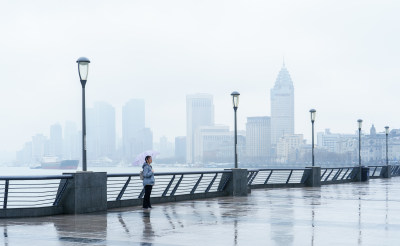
x=48 y=185
x=66 y=176
x=29 y=188
x=168 y=173
x=277 y=169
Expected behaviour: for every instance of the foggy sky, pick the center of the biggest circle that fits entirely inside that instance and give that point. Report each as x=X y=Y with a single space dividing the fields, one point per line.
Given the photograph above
x=343 y=57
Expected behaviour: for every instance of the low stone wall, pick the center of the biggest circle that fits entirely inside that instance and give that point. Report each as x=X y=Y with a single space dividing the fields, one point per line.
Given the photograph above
x=165 y=199
x=31 y=212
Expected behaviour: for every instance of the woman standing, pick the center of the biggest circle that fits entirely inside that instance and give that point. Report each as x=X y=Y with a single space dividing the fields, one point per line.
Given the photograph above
x=148 y=181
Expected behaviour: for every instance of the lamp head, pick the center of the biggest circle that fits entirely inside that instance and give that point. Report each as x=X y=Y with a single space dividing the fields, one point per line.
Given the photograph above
x=359 y=123
x=235 y=97
x=387 y=130
x=313 y=113
x=83 y=69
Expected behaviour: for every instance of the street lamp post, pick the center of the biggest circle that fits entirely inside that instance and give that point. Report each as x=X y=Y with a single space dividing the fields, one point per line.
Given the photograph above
x=83 y=69
x=387 y=156
x=235 y=100
x=359 y=141
x=313 y=113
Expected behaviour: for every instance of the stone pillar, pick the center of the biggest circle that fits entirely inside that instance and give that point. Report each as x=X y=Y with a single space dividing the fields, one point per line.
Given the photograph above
x=360 y=174
x=86 y=192
x=237 y=186
x=386 y=172
x=312 y=177
x=356 y=174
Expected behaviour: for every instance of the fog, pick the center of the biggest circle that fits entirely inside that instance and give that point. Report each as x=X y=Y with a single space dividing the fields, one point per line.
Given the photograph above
x=343 y=57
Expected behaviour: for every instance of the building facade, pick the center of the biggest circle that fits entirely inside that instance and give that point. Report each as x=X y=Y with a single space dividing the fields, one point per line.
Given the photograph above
x=216 y=144
x=56 y=141
x=282 y=106
x=180 y=149
x=134 y=135
x=199 y=112
x=258 y=138
x=289 y=147
x=101 y=132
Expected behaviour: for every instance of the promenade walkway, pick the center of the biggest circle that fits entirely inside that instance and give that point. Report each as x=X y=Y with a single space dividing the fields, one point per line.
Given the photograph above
x=343 y=214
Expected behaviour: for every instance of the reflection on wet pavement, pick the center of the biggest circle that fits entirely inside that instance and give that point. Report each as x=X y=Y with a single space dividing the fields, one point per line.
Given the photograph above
x=345 y=214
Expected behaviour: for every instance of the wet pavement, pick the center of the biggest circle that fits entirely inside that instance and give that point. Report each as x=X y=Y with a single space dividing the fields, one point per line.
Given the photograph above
x=344 y=214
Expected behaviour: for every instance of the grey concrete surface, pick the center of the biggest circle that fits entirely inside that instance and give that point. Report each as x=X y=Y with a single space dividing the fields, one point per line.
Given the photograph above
x=85 y=193
x=365 y=213
x=314 y=176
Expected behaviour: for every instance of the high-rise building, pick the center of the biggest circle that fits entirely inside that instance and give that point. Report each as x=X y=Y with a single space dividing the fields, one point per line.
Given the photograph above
x=216 y=144
x=258 y=138
x=24 y=156
x=282 y=106
x=56 y=140
x=143 y=141
x=180 y=149
x=166 y=148
x=101 y=136
x=133 y=129
x=40 y=147
x=72 y=142
x=199 y=112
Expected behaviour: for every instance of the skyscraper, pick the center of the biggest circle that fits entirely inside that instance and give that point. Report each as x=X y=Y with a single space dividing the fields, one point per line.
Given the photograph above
x=56 y=140
x=101 y=138
x=199 y=112
x=72 y=142
x=258 y=138
x=282 y=106
x=180 y=149
x=135 y=137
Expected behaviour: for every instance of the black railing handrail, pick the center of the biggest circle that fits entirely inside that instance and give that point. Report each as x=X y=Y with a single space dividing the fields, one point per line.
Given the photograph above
x=168 y=173
x=276 y=169
x=382 y=166
x=339 y=167
x=44 y=177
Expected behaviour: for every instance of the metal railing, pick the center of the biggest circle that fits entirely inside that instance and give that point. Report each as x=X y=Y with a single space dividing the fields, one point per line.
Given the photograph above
x=31 y=191
x=375 y=171
x=395 y=171
x=275 y=176
x=333 y=174
x=129 y=186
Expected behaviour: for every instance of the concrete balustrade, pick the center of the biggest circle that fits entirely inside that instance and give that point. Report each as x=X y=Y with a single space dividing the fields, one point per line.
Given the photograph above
x=86 y=192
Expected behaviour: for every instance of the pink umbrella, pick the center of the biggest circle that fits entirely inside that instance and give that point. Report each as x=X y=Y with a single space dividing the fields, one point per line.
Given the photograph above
x=139 y=160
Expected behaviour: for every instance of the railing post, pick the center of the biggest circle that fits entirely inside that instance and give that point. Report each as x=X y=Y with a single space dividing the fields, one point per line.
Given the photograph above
x=123 y=189
x=312 y=176
x=176 y=186
x=6 y=194
x=197 y=184
x=168 y=186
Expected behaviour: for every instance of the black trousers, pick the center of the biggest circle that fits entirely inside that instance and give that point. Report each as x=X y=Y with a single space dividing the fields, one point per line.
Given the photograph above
x=147 y=192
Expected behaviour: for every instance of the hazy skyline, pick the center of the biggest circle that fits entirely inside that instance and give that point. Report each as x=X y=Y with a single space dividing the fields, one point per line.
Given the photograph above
x=341 y=55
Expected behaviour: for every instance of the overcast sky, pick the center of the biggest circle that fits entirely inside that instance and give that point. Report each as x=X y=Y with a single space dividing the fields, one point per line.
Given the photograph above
x=343 y=57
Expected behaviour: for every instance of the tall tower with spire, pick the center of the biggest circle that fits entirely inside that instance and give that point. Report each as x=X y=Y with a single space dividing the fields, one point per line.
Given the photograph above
x=282 y=106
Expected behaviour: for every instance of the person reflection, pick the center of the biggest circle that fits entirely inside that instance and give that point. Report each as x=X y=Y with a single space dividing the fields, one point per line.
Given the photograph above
x=148 y=232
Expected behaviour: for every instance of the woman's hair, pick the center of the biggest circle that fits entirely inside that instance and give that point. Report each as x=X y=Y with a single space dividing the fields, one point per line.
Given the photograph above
x=147 y=158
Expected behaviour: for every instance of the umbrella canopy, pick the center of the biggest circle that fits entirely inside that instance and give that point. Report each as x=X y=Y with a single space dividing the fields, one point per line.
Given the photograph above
x=139 y=160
